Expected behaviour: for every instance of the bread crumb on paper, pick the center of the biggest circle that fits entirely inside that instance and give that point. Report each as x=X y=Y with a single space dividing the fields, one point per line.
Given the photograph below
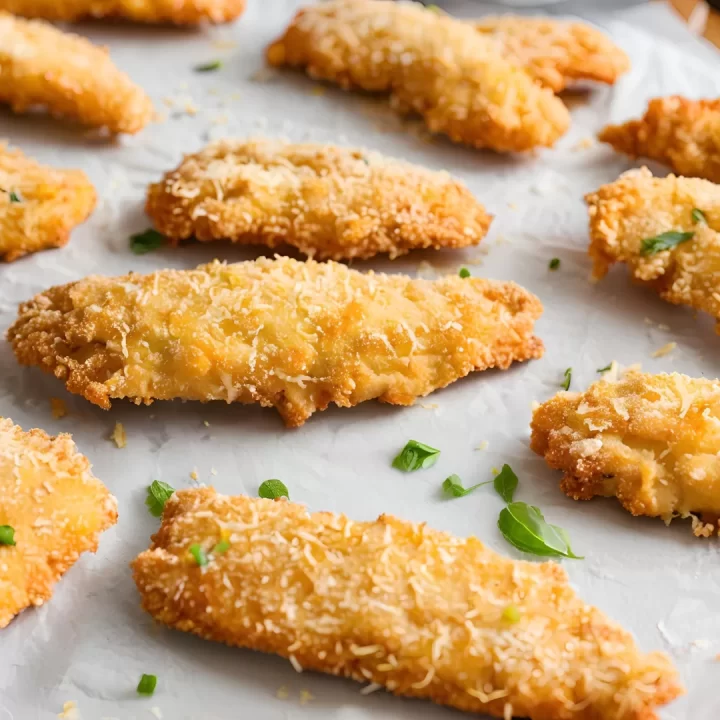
x=70 y=711
x=306 y=696
x=282 y=693
x=58 y=408
x=119 y=436
x=584 y=144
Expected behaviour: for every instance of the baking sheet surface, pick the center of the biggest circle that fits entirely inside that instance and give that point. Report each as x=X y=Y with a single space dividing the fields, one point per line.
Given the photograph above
x=91 y=643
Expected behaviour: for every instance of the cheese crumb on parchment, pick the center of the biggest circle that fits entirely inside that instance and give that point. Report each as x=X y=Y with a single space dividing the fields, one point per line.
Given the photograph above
x=58 y=408
x=119 y=437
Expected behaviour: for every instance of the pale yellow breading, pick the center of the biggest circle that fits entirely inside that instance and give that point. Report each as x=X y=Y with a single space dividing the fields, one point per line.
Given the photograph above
x=57 y=508
x=327 y=201
x=431 y=64
x=39 y=205
x=557 y=53
x=178 y=12
x=286 y=334
x=681 y=133
x=652 y=441
x=416 y=611
x=68 y=75
x=639 y=207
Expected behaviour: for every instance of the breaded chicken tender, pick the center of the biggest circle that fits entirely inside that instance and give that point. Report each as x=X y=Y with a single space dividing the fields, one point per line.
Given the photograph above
x=629 y=222
x=557 y=53
x=327 y=201
x=178 y=12
x=39 y=205
x=652 y=441
x=55 y=508
x=43 y=66
x=431 y=64
x=683 y=134
x=417 y=611
x=282 y=333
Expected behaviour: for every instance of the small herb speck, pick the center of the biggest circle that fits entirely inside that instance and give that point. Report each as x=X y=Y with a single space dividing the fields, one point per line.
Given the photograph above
x=464 y=272
x=554 y=264
x=146 y=241
x=568 y=377
x=209 y=67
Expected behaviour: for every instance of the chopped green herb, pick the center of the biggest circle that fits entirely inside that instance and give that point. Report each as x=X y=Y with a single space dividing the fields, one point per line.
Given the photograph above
x=272 y=489
x=146 y=241
x=158 y=493
x=453 y=486
x=698 y=216
x=7 y=535
x=505 y=483
x=222 y=547
x=434 y=8
x=208 y=67
x=568 y=377
x=511 y=614
x=554 y=264
x=664 y=241
x=14 y=197
x=605 y=369
x=464 y=272
x=199 y=554
x=414 y=456
x=524 y=526
x=147 y=684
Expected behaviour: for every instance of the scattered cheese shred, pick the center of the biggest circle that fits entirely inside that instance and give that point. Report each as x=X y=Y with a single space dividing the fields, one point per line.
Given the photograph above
x=119 y=436
x=305 y=697
x=282 y=693
x=69 y=711
x=665 y=350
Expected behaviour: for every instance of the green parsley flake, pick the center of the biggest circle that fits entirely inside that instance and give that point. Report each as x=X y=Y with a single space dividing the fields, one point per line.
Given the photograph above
x=222 y=547
x=7 y=535
x=464 y=272
x=158 y=493
x=664 y=241
x=554 y=264
x=698 y=216
x=414 y=456
x=209 y=66
x=14 y=197
x=147 y=241
x=147 y=684
x=199 y=554
x=605 y=369
x=524 y=526
x=272 y=489
x=505 y=483
x=568 y=377
x=453 y=486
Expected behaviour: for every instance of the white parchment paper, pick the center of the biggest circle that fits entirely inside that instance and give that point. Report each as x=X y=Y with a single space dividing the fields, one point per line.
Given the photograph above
x=91 y=642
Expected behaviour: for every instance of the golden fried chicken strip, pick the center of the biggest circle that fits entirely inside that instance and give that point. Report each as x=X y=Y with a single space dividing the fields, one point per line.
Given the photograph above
x=39 y=205
x=683 y=134
x=652 y=441
x=68 y=75
x=327 y=201
x=286 y=334
x=430 y=64
x=417 y=611
x=626 y=215
x=178 y=12
x=56 y=507
x=557 y=53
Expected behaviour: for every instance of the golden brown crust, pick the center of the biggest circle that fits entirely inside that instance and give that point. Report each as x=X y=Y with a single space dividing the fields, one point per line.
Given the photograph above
x=329 y=202
x=681 y=133
x=414 y=610
x=178 y=12
x=57 y=508
x=67 y=74
x=652 y=441
x=557 y=53
x=639 y=206
x=50 y=204
x=430 y=64
x=282 y=333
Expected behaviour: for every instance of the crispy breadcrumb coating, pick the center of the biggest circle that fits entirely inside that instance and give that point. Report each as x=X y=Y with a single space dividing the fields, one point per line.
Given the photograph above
x=43 y=66
x=286 y=334
x=683 y=134
x=39 y=205
x=652 y=441
x=327 y=201
x=414 y=610
x=557 y=53
x=57 y=508
x=430 y=64
x=637 y=207
x=178 y=12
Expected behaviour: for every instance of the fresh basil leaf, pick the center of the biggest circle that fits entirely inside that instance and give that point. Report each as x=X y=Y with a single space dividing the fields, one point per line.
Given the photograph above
x=464 y=272
x=565 y=385
x=146 y=241
x=209 y=67
x=147 y=685
x=554 y=264
x=524 y=526
x=414 y=456
x=698 y=216
x=664 y=241
x=222 y=547
x=605 y=369
x=7 y=535
x=158 y=493
x=505 y=483
x=453 y=486
x=199 y=554
x=273 y=489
